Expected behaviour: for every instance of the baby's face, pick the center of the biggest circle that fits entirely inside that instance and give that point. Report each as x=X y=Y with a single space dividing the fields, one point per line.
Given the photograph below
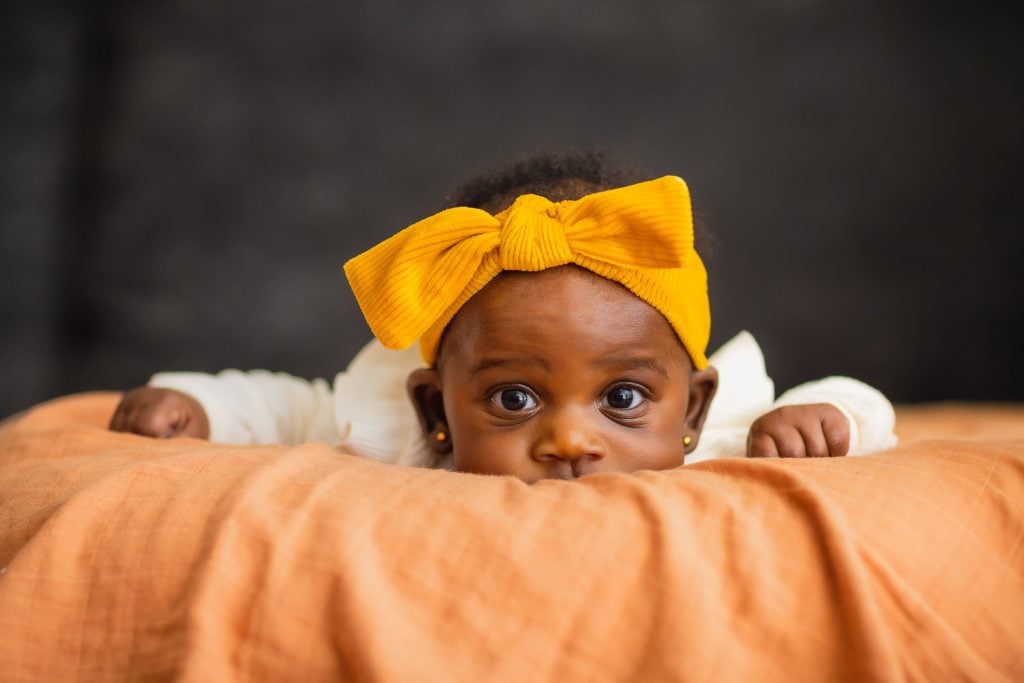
x=559 y=374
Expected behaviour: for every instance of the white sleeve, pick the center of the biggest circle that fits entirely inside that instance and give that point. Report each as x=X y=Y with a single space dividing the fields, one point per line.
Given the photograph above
x=372 y=409
x=258 y=407
x=871 y=416
x=745 y=392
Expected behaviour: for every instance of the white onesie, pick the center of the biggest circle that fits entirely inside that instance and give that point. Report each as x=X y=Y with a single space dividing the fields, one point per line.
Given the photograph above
x=369 y=413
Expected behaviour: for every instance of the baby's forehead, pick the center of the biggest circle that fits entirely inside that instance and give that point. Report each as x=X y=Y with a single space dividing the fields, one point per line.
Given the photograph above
x=564 y=304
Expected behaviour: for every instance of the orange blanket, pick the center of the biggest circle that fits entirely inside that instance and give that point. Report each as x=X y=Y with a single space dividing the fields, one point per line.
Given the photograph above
x=129 y=558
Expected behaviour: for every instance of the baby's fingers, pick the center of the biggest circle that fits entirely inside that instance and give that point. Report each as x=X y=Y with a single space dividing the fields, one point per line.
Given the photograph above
x=816 y=444
x=151 y=412
x=126 y=410
x=790 y=443
x=161 y=420
x=117 y=421
x=761 y=445
x=778 y=443
x=836 y=430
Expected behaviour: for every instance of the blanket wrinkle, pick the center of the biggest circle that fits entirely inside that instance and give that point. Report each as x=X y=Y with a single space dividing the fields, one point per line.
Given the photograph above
x=828 y=540
x=926 y=630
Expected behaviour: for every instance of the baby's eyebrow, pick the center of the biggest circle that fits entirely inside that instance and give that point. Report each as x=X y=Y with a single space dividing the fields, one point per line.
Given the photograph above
x=635 y=362
x=488 y=363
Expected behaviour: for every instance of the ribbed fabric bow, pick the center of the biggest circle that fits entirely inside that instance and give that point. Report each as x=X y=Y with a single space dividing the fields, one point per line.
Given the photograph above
x=411 y=285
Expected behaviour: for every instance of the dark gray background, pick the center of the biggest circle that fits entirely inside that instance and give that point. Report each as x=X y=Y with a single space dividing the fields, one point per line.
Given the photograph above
x=182 y=181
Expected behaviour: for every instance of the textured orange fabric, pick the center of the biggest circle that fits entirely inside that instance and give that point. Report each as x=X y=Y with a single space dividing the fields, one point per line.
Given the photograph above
x=127 y=558
x=411 y=285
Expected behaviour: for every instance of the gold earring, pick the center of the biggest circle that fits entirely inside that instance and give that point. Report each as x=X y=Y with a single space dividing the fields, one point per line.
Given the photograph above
x=440 y=436
x=687 y=440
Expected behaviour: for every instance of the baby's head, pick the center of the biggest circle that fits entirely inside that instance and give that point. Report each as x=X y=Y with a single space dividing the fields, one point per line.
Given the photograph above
x=538 y=366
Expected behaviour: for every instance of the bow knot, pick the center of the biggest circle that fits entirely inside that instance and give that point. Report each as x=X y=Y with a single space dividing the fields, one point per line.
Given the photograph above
x=532 y=237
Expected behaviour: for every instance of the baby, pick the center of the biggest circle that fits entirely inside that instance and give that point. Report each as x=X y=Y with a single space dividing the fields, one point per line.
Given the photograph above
x=562 y=324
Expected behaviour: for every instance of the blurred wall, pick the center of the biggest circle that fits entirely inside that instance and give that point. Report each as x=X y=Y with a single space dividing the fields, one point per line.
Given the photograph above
x=181 y=182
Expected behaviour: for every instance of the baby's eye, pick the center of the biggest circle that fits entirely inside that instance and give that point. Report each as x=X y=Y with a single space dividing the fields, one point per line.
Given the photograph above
x=624 y=398
x=514 y=400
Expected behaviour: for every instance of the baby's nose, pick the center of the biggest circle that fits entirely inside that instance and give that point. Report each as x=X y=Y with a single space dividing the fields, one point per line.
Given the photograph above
x=567 y=436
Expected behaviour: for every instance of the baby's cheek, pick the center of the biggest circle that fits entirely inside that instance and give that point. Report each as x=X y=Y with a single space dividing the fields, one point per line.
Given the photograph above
x=666 y=458
x=498 y=453
x=668 y=450
x=653 y=451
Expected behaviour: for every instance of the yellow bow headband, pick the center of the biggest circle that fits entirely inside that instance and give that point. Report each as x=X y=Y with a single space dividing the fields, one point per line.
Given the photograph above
x=411 y=285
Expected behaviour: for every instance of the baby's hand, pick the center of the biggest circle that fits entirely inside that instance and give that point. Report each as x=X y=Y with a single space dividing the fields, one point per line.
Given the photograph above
x=160 y=413
x=816 y=430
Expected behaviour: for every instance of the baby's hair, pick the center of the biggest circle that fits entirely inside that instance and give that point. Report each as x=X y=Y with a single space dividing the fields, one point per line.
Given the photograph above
x=557 y=176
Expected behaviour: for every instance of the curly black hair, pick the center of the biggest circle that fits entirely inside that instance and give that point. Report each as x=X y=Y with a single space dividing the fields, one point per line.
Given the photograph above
x=557 y=176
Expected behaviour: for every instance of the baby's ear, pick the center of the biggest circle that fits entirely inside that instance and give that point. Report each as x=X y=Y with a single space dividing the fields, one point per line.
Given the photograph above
x=424 y=387
x=703 y=384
